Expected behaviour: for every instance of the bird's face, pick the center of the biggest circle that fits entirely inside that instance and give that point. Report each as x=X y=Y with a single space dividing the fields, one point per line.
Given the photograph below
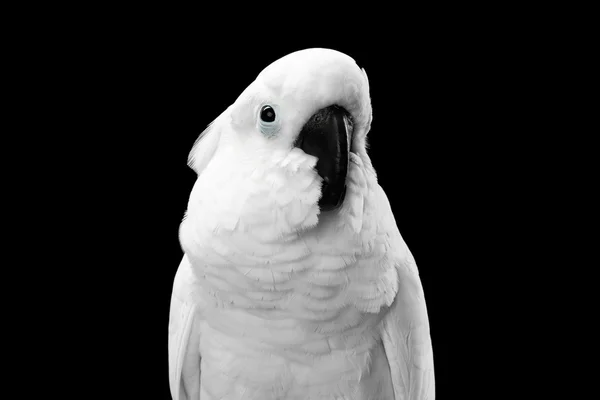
x=286 y=152
x=309 y=100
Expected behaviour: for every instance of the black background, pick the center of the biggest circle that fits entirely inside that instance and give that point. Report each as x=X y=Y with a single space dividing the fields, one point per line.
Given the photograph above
x=144 y=93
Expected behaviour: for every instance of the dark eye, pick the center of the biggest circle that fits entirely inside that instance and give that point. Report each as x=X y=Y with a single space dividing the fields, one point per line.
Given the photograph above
x=267 y=114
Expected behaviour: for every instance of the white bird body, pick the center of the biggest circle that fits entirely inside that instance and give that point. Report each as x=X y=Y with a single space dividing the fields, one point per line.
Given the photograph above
x=273 y=298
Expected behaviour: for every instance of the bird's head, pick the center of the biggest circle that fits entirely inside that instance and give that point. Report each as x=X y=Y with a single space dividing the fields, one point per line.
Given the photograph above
x=310 y=109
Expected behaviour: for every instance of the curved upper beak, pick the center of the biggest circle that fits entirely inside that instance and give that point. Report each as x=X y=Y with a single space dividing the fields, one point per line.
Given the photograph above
x=327 y=136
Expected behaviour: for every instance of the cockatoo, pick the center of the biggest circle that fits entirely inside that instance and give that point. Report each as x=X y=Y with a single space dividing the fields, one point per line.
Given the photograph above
x=295 y=282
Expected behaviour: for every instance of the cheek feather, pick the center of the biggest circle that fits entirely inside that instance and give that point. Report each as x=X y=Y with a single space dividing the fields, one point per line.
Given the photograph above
x=274 y=195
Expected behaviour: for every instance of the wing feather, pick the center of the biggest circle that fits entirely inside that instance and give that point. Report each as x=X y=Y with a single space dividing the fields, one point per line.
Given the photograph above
x=407 y=340
x=184 y=337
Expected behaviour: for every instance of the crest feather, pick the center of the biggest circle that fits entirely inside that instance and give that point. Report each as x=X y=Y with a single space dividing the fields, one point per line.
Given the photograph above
x=205 y=146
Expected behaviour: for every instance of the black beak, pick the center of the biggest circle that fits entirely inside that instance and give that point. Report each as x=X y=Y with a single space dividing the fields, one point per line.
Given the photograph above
x=326 y=137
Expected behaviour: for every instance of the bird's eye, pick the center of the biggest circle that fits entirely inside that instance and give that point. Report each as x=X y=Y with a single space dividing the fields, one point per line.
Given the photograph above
x=267 y=114
x=268 y=121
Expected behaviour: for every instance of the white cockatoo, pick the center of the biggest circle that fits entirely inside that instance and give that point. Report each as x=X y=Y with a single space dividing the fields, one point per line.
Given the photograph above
x=295 y=282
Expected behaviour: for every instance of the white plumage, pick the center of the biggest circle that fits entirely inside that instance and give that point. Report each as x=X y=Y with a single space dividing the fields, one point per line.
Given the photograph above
x=273 y=299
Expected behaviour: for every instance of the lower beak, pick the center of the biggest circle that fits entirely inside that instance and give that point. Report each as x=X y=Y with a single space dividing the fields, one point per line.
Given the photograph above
x=326 y=136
